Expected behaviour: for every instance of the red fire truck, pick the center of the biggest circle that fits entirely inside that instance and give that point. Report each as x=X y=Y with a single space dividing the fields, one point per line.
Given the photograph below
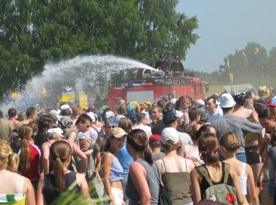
x=153 y=89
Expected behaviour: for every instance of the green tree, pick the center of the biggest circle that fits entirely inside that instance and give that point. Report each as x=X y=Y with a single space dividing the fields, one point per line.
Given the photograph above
x=15 y=43
x=34 y=32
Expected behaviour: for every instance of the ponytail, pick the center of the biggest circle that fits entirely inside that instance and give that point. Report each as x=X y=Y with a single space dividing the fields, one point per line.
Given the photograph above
x=148 y=156
x=59 y=174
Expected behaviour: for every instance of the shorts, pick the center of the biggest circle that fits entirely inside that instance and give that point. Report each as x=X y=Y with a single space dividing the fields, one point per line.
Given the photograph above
x=118 y=195
x=251 y=157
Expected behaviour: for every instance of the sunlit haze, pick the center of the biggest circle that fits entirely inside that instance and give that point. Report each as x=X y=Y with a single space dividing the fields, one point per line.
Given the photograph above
x=226 y=26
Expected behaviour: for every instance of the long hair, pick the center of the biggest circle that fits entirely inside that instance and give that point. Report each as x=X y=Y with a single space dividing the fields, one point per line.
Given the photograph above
x=208 y=147
x=8 y=159
x=60 y=152
x=138 y=139
x=25 y=133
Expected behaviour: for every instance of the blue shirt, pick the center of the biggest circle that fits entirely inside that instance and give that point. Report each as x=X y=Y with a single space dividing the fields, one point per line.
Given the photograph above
x=116 y=170
x=124 y=158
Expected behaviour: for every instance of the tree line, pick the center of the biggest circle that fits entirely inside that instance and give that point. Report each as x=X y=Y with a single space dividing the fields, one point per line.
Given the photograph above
x=253 y=64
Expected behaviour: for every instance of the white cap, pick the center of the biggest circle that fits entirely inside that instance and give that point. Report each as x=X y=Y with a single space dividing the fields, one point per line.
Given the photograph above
x=109 y=114
x=55 y=130
x=173 y=101
x=200 y=102
x=227 y=101
x=178 y=114
x=64 y=107
x=93 y=116
x=169 y=133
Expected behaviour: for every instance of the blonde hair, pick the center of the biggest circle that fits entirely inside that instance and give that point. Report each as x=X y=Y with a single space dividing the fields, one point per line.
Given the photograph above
x=25 y=133
x=8 y=159
x=230 y=142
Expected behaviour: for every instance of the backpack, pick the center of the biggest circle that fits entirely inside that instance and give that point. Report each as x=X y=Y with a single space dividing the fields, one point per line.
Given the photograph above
x=223 y=192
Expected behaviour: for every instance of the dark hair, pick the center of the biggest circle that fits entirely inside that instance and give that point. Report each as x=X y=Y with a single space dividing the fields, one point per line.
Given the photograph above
x=30 y=111
x=106 y=144
x=1 y=114
x=138 y=139
x=208 y=146
x=202 y=130
x=161 y=103
x=264 y=111
x=83 y=118
x=44 y=123
x=12 y=112
x=212 y=97
x=239 y=98
x=65 y=112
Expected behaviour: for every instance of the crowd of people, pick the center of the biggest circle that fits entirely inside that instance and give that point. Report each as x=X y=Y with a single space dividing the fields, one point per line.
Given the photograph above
x=187 y=145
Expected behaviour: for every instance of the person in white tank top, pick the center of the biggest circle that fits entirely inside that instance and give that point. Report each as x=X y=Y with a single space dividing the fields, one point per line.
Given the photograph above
x=229 y=144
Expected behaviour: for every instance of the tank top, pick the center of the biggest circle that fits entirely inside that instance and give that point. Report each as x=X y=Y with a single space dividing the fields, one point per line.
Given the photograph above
x=178 y=190
x=14 y=199
x=116 y=170
x=51 y=193
x=33 y=172
x=243 y=180
x=153 y=179
x=204 y=184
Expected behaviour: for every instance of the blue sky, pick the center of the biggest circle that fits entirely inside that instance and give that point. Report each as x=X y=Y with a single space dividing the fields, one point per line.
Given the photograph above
x=226 y=26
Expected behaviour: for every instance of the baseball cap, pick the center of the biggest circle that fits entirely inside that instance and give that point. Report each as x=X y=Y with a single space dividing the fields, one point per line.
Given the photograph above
x=55 y=130
x=65 y=121
x=131 y=116
x=169 y=133
x=178 y=114
x=155 y=137
x=109 y=114
x=64 y=107
x=93 y=116
x=200 y=103
x=227 y=101
x=169 y=117
x=117 y=132
x=161 y=56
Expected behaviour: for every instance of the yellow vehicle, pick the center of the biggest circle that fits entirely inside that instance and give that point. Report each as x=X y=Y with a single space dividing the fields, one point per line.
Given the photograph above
x=69 y=97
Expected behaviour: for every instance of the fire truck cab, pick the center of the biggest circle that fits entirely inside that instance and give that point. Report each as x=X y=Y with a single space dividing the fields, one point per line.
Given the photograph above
x=153 y=89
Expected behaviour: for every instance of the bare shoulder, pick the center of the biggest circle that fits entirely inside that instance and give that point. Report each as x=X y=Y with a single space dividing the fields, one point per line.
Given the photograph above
x=136 y=167
x=248 y=169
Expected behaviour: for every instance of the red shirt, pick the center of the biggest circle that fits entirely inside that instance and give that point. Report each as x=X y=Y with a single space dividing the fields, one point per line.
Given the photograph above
x=33 y=172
